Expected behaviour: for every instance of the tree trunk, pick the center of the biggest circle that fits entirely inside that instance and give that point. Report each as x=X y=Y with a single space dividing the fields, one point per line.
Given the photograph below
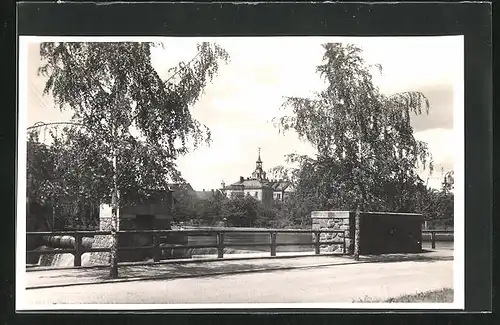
x=359 y=205
x=113 y=272
x=356 y=233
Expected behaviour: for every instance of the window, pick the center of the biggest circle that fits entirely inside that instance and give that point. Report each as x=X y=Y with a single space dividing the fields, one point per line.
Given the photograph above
x=256 y=194
x=236 y=194
x=278 y=196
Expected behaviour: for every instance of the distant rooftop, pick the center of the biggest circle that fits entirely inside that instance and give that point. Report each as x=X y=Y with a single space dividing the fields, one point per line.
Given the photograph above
x=206 y=195
x=180 y=186
x=249 y=183
x=276 y=185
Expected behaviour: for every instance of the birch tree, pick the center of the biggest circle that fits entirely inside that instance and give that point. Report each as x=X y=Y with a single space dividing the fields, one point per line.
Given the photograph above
x=140 y=122
x=364 y=139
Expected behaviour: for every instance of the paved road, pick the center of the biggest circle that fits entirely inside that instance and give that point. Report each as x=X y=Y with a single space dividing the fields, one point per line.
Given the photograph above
x=43 y=277
x=56 y=277
x=339 y=283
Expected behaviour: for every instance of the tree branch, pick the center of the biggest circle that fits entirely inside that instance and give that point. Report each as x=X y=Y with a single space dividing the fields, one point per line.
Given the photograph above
x=177 y=72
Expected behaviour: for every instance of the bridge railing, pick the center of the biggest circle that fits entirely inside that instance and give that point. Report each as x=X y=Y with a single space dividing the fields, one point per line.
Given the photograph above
x=433 y=233
x=157 y=236
x=77 y=250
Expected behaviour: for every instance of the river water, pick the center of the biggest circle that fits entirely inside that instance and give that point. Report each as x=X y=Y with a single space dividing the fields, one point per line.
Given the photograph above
x=237 y=241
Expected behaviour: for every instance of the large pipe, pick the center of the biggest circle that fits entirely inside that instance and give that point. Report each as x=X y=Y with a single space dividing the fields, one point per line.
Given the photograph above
x=67 y=241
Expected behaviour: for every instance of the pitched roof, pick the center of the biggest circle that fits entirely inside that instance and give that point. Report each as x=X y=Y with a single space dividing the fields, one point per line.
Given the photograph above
x=180 y=187
x=205 y=195
x=255 y=184
x=250 y=183
x=279 y=185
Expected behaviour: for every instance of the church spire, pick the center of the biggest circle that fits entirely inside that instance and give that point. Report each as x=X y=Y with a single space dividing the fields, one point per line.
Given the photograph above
x=259 y=173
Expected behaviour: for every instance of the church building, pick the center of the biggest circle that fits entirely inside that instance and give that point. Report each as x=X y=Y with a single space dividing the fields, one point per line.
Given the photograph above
x=258 y=186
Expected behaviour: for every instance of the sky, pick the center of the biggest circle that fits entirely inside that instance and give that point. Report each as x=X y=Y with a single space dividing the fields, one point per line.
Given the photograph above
x=239 y=104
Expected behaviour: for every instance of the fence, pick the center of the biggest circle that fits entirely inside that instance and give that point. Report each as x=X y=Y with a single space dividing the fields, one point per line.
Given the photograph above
x=159 y=235
x=77 y=249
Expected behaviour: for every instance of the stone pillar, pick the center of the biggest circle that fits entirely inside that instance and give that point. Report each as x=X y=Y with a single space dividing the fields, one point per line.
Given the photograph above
x=102 y=241
x=335 y=220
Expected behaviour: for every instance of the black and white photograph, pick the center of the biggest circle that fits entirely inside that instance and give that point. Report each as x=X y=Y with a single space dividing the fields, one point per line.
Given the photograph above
x=240 y=172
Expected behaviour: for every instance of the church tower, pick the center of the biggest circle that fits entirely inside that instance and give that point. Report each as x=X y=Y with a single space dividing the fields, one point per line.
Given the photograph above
x=259 y=173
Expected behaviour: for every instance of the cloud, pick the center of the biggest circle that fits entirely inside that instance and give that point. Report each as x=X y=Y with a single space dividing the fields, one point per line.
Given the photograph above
x=441 y=109
x=41 y=107
x=440 y=143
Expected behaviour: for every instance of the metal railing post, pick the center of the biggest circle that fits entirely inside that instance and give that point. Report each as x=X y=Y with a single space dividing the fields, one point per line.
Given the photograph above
x=156 y=249
x=273 y=243
x=316 y=242
x=220 y=245
x=78 y=250
x=433 y=240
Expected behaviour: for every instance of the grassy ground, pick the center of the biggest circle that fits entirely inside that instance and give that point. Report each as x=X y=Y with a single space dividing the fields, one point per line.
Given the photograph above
x=443 y=295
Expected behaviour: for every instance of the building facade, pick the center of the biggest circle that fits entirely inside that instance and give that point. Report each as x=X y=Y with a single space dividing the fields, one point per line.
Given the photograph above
x=258 y=186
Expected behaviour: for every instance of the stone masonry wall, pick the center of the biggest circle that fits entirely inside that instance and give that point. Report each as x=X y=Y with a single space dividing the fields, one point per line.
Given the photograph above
x=334 y=220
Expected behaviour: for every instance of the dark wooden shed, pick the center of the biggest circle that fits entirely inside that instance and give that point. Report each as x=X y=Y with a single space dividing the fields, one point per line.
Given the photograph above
x=387 y=233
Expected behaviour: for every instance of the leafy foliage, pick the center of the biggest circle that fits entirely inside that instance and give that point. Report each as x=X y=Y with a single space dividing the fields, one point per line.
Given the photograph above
x=366 y=152
x=243 y=211
x=187 y=207
x=437 y=206
x=240 y=211
x=40 y=173
x=68 y=177
x=114 y=91
x=128 y=113
x=439 y=209
x=448 y=183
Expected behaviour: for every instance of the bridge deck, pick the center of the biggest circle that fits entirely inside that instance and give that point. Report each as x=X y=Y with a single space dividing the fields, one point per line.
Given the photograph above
x=78 y=276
